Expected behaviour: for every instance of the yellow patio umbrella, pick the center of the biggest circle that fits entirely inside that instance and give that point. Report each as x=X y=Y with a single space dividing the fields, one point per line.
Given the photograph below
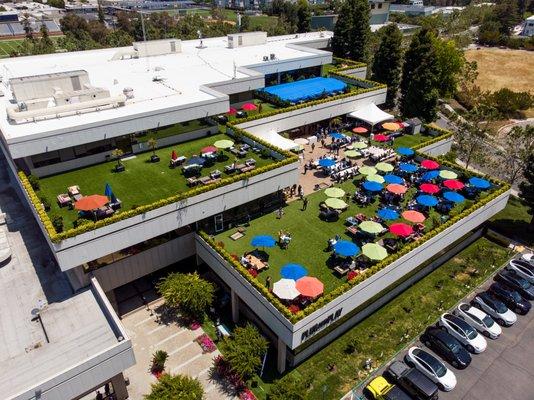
x=371 y=227
x=335 y=203
x=374 y=251
x=384 y=167
x=365 y=170
x=334 y=192
x=352 y=153
x=446 y=174
x=375 y=178
x=223 y=144
x=359 y=145
x=391 y=126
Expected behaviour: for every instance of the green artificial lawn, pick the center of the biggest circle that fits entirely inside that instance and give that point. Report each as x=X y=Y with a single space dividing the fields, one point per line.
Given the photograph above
x=310 y=235
x=515 y=221
x=176 y=129
x=392 y=327
x=142 y=183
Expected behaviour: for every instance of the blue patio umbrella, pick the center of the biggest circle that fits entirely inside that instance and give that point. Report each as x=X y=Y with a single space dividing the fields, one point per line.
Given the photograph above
x=430 y=175
x=427 y=200
x=109 y=193
x=293 y=271
x=263 y=241
x=344 y=248
x=336 y=135
x=195 y=161
x=454 y=197
x=479 y=183
x=405 y=151
x=326 y=162
x=372 y=186
x=388 y=213
x=390 y=178
x=407 y=167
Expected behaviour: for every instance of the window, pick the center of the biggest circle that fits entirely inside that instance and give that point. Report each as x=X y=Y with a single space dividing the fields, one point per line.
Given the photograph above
x=379 y=5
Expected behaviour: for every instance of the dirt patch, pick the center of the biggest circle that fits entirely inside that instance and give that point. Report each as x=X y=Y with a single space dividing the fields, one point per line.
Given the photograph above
x=499 y=68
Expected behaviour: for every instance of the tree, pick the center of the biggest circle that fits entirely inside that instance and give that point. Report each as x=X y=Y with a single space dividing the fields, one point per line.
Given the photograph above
x=451 y=62
x=489 y=32
x=101 y=16
x=124 y=23
x=98 y=32
x=176 y=387
x=287 y=388
x=526 y=188
x=74 y=24
x=245 y=350
x=352 y=32
x=28 y=30
x=189 y=292
x=509 y=103
x=387 y=63
x=516 y=148
x=245 y=23
x=117 y=154
x=507 y=14
x=119 y=38
x=304 y=16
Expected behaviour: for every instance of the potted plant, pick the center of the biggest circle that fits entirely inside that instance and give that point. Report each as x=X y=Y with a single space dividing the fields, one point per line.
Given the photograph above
x=152 y=143
x=117 y=154
x=158 y=362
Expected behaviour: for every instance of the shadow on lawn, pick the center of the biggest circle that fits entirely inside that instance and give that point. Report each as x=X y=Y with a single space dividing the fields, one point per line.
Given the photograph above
x=516 y=229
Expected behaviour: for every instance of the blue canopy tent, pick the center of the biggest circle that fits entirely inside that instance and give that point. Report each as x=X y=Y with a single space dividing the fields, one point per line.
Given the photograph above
x=390 y=178
x=430 y=175
x=196 y=161
x=407 y=167
x=454 y=197
x=388 y=214
x=372 y=186
x=109 y=193
x=344 y=248
x=405 y=151
x=326 y=162
x=479 y=183
x=293 y=271
x=427 y=200
x=336 y=135
x=263 y=241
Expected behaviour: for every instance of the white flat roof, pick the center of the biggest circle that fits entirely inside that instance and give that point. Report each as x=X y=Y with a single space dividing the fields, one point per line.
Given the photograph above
x=183 y=74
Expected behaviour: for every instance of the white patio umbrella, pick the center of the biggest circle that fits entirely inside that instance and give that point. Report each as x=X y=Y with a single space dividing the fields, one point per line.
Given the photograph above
x=285 y=289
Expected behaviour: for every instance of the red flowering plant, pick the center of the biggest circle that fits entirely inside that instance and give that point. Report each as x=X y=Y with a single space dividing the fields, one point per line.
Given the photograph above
x=351 y=275
x=247 y=395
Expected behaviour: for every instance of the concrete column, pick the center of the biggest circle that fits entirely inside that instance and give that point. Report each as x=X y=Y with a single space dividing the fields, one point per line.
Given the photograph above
x=235 y=306
x=281 y=359
x=119 y=386
x=77 y=278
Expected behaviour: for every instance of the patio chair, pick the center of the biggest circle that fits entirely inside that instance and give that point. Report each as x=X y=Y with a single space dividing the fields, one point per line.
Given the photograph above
x=63 y=200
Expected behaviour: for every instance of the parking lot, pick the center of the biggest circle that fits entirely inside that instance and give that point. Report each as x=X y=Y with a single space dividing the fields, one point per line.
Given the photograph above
x=504 y=371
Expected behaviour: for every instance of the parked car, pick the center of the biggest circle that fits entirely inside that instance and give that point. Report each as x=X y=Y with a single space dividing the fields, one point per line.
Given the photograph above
x=446 y=346
x=529 y=257
x=463 y=332
x=523 y=268
x=514 y=281
x=380 y=389
x=496 y=308
x=431 y=367
x=479 y=320
x=412 y=381
x=510 y=297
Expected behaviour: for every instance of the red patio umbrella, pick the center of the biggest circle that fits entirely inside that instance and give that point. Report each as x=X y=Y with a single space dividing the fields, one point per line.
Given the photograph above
x=249 y=107
x=174 y=156
x=89 y=203
x=232 y=111
x=209 y=149
x=360 y=129
x=453 y=184
x=429 y=188
x=401 y=229
x=413 y=216
x=310 y=287
x=395 y=188
x=381 y=138
x=429 y=164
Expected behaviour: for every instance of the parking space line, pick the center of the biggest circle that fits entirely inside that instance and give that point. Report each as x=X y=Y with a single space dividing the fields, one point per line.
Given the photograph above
x=175 y=369
x=202 y=372
x=143 y=321
x=159 y=328
x=180 y=348
x=169 y=338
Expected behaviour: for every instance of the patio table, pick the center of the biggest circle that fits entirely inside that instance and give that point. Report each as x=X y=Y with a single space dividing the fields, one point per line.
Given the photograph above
x=255 y=262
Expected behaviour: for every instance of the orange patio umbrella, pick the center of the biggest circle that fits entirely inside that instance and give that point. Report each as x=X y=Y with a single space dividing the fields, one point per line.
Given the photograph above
x=89 y=203
x=391 y=126
x=310 y=287
x=395 y=188
x=413 y=216
x=360 y=129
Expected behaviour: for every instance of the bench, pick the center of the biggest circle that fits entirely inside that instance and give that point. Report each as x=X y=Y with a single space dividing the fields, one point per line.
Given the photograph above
x=223 y=330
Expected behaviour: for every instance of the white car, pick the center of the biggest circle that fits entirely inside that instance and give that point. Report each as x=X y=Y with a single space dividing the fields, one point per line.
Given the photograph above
x=523 y=268
x=496 y=308
x=433 y=368
x=479 y=320
x=463 y=332
x=529 y=257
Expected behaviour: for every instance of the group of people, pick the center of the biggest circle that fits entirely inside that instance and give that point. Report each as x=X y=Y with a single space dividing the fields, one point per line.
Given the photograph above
x=284 y=238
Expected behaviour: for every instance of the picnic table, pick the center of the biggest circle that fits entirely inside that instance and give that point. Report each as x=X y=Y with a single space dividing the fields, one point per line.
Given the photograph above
x=256 y=263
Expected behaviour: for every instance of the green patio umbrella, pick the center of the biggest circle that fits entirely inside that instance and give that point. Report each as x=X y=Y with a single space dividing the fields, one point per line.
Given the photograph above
x=375 y=178
x=359 y=145
x=352 y=153
x=367 y=170
x=384 y=167
x=374 y=251
x=335 y=203
x=334 y=192
x=446 y=174
x=223 y=144
x=371 y=227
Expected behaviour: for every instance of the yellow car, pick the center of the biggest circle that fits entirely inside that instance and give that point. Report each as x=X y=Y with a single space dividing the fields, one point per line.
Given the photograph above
x=380 y=389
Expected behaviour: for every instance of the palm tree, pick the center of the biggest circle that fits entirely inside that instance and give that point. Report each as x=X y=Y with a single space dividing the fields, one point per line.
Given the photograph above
x=117 y=154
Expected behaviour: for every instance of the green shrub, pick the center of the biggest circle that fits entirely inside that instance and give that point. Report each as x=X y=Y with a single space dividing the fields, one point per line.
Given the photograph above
x=57 y=223
x=34 y=181
x=45 y=202
x=245 y=349
x=176 y=387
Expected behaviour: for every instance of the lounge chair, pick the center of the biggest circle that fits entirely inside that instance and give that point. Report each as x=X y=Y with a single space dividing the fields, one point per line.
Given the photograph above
x=63 y=200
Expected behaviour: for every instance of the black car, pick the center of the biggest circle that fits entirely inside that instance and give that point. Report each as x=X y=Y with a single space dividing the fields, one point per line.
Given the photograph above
x=412 y=381
x=514 y=281
x=444 y=344
x=510 y=297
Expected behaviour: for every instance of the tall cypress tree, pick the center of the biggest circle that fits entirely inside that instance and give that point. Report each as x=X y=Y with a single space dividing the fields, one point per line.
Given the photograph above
x=352 y=32
x=304 y=16
x=387 y=62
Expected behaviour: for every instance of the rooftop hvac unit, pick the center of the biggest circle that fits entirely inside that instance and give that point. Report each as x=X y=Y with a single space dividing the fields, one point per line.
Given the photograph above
x=128 y=92
x=265 y=58
x=273 y=57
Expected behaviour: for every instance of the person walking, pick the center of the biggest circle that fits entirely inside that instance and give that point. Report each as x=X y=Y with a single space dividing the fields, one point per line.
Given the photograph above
x=304 y=203
x=313 y=146
x=268 y=282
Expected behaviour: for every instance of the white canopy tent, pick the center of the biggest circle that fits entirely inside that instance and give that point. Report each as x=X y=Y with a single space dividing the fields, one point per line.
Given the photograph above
x=371 y=114
x=275 y=139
